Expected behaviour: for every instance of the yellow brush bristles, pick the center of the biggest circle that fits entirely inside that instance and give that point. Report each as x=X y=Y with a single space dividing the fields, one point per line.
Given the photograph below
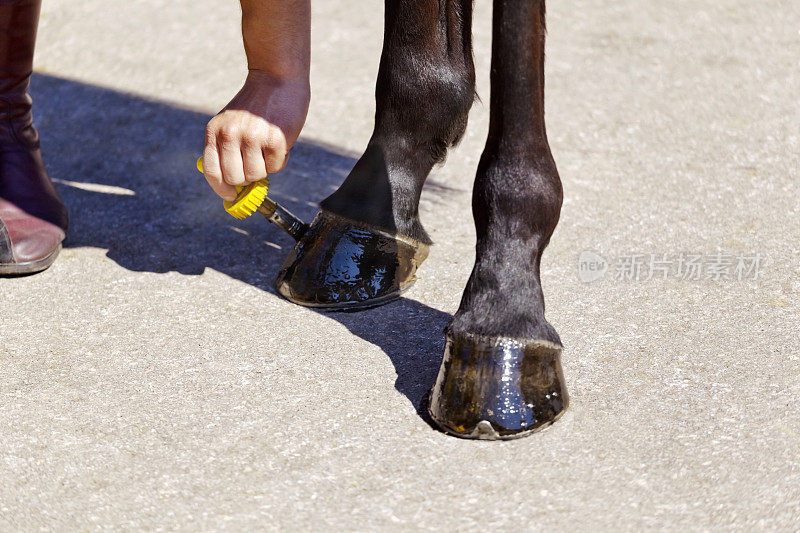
x=248 y=200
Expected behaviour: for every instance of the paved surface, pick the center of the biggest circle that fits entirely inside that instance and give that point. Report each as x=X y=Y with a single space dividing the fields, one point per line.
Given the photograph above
x=152 y=379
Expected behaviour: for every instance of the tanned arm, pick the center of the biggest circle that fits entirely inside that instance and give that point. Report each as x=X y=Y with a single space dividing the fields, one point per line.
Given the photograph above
x=251 y=137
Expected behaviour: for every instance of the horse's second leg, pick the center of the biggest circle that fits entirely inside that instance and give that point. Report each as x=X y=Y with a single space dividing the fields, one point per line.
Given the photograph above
x=501 y=376
x=367 y=241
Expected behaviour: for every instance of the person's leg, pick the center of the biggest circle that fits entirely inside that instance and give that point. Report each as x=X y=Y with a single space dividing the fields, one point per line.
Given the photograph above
x=501 y=376
x=366 y=243
x=33 y=220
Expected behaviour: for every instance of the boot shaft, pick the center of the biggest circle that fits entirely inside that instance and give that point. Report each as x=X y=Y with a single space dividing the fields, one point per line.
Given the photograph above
x=19 y=20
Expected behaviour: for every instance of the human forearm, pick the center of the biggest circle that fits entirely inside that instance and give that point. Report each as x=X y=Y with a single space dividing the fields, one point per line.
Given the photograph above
x=277 y=37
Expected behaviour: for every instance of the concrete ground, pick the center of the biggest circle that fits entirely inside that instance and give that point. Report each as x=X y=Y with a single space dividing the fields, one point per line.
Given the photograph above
x=152 y=379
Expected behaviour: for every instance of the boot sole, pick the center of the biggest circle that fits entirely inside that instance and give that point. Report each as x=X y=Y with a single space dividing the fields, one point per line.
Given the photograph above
x=31 y=267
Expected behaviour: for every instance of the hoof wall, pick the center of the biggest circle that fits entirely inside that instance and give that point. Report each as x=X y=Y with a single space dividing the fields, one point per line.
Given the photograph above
x=340 y=264
x=498 y=388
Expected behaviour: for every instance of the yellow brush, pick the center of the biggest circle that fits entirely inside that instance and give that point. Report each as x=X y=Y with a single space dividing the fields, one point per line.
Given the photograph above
x=252 y=198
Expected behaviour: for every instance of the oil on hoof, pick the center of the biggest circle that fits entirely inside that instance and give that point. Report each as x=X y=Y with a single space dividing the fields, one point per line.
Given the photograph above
x=498 y=388
x=341 y=264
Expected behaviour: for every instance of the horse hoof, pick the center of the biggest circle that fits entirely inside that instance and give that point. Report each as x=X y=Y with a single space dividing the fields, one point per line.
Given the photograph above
x=342 y=264
x=498 y=388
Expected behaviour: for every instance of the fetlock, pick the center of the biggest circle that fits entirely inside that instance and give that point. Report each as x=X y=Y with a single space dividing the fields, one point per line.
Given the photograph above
x=383 y=190
x=410 y=138
x=503 y=298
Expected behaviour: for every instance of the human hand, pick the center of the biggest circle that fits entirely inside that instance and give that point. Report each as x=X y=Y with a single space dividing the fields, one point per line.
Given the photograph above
x=251 y=137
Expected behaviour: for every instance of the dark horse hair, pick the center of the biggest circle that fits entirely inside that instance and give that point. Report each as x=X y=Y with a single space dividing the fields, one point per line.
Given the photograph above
x=425 y=89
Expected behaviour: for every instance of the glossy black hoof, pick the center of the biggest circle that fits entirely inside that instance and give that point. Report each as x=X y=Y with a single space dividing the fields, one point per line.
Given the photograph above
x=341 y=264
x=498 y=388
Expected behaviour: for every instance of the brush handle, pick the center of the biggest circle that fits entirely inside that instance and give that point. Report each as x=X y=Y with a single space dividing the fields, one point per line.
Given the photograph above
x=283 y=218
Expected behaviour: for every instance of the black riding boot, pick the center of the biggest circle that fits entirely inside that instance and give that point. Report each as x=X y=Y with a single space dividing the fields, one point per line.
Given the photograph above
x=33 y=219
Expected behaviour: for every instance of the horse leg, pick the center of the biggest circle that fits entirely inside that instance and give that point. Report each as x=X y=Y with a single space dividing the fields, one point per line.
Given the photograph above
x=364 y=246
x=501 y=376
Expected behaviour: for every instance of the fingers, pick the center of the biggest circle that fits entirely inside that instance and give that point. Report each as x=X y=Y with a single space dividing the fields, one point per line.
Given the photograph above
x=212 y=169
x=285 y=161
x=253 y=162
x=230 y=155
x=275 y=151
x=241 y=148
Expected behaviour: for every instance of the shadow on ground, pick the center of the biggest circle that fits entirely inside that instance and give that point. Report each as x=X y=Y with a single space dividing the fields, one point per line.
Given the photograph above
x=125 y=168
